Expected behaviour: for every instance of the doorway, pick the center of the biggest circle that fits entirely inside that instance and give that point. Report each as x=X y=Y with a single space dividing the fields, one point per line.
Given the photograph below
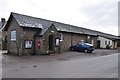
x=98 y=44
x=51 y=42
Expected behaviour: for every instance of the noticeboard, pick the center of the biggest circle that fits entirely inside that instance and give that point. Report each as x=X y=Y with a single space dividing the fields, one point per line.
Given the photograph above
x=28 y=44
x=57 y=42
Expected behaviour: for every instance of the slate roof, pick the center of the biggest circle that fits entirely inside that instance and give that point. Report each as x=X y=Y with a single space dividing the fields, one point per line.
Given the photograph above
x=118 y=37
x=28 y=21
x=75 y=29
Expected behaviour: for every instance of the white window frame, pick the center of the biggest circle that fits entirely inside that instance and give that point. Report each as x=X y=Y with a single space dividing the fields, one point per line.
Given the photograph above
x=13 y=35
x=105 y=42
x=109 y=42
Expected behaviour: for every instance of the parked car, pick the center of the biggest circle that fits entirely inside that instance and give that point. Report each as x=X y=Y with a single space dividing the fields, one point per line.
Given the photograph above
x=84 y=47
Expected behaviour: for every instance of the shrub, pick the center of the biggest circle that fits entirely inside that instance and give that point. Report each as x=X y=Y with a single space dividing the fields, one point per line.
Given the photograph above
x=107 y=46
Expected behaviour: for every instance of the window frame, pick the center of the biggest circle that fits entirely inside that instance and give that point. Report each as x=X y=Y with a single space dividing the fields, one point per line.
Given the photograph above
x=13 y=35
x=109 y=43
x=105 y=42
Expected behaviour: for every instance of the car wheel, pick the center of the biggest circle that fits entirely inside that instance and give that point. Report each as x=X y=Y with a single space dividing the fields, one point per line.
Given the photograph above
x=85 y=51
x=90 y=51
x=71 y=49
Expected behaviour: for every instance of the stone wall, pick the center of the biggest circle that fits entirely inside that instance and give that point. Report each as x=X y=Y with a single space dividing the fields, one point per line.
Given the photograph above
x=14 y=47
x=94 y=41
x=70 y=39
x=66 y=42
x=77 y=38
x=28 y=35
x=22 y=35
x=45 y=40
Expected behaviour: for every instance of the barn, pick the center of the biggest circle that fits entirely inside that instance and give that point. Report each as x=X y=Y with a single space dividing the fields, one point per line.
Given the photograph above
x=30 y=35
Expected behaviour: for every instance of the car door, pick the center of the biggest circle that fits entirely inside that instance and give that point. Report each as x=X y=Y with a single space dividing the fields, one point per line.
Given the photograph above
x=80 y=47
x=77 y=47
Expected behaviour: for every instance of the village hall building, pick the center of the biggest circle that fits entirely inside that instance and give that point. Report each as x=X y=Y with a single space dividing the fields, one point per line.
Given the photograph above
x=30 y=35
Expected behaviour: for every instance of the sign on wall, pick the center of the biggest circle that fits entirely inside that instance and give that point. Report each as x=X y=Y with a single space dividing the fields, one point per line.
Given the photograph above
x=28 y=44
x=57 y=42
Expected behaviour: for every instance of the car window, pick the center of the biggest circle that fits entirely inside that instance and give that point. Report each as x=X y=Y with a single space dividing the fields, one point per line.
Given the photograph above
x=82 y=44
x=77 y=44
x=88 y=44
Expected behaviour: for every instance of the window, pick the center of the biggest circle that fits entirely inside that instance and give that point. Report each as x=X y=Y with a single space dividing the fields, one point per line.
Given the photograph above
x=61 y=37
x=109 y=42
x=13 y=35
x=28 y=44
x=105 y=42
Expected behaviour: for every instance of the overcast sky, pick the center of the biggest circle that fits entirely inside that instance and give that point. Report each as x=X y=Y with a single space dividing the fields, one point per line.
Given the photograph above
x=100 y=15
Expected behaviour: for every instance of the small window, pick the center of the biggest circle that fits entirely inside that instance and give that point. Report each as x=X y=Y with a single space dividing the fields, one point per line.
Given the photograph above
x=109 y=42
x=13 y=35
x=105 y=42
x=61 y=37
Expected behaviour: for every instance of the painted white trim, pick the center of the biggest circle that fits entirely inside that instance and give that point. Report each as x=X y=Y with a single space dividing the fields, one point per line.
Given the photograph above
x=13 y=35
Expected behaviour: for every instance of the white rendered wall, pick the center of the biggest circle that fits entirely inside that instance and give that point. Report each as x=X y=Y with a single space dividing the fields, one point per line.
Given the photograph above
x=102 y=42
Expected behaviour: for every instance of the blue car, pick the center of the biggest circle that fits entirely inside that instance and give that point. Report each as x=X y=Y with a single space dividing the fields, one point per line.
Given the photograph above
x=83 y=47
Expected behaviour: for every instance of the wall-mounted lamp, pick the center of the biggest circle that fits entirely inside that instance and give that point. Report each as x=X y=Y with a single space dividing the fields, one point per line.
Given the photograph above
x=88 y=37
x=52 y=31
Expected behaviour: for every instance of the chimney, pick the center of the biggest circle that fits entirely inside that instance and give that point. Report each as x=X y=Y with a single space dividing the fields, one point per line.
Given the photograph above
x=3 y=21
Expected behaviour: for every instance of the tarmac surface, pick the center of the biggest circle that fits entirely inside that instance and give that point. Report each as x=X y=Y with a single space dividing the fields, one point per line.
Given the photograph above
x=101 y=63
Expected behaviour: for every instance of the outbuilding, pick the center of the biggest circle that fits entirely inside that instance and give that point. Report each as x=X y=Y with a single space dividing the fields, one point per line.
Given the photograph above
x=30 y=35
x=105 y=42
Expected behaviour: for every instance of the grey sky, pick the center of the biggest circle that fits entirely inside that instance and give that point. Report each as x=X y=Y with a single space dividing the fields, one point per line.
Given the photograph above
x=100 y=15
